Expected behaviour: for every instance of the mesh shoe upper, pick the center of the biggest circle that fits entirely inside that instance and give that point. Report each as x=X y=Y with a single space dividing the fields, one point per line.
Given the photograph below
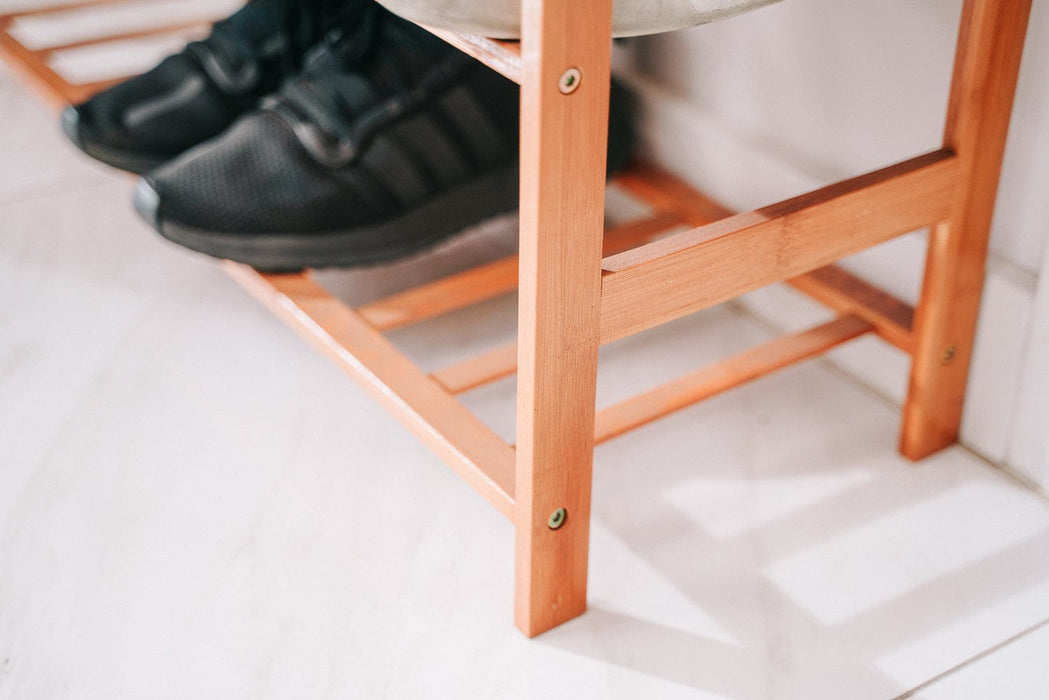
x=195 y=94
x=338 y=148
x=377 y=149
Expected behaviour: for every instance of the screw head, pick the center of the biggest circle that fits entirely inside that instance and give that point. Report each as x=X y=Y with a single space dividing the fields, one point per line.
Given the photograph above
x=557 y=519
x=948 y=354
x=570 y=80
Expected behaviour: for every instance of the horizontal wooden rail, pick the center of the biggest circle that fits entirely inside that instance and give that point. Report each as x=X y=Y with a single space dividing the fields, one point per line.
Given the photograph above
x=489 y=280
x=444 y=295
x=420 y=403
x=666 y=192
x=674 y=276
x=722 y=376
x=478 y=371
x=40 y=75
x=838 y=289
x=54 y=9
x=501 y=56
x=171 y=28
x=831 y=285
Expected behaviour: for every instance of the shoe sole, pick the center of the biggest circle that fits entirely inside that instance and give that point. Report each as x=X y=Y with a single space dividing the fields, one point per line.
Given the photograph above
x=420 y=228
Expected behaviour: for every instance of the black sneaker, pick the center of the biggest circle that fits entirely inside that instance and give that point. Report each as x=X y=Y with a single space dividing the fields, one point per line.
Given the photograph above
x=356 y=166
x=196 y=94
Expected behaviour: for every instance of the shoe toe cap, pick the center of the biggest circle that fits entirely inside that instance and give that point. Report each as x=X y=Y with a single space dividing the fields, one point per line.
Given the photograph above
x=147 y=202
x=71 y=123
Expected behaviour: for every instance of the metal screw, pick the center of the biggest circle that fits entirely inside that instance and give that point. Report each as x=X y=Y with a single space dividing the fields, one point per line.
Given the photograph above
x=570 y=80
x=556 y=519
x=948 y=354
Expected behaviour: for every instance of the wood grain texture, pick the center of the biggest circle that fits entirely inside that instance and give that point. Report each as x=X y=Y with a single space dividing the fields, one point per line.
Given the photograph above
x=444 y=295
x=987 y=64
x=436 y=418
x=54 y=8
x=563 y=142
x=666 y=192
x=696 y=269
x=712 y=380
x=32 y=66
x=846 y=293
x=480 y=370
x=489 y=280
x=501 y=56
x=198 y=26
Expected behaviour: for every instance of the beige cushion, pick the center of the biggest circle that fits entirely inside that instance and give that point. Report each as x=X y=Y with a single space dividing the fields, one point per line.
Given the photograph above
x=501 y=19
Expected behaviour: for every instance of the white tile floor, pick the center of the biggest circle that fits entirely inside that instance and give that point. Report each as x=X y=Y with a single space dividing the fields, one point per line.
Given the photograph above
x=195 y=505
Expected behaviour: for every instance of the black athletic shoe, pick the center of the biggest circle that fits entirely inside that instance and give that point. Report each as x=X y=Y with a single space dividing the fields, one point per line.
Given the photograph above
x=196 y=94
x=350 y=167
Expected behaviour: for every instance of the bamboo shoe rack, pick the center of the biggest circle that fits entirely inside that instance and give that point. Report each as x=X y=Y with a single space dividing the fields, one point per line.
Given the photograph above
x=580 y=286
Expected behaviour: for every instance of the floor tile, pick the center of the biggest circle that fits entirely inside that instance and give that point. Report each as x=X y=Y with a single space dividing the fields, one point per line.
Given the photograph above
x=1016 y=670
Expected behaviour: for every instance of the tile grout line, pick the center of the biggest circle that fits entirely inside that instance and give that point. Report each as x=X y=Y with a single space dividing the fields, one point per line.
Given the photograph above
x=973 y=659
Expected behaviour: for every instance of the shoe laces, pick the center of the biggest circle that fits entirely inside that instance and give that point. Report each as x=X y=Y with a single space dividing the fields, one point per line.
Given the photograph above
x=277 y=30
x=326 y=108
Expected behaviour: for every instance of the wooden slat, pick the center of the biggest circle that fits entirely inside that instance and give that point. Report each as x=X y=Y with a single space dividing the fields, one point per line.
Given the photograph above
x=830 y=285
x=171 y=28
x=722 y=376
x=58 y=7
x=477 y=371
x=437 y=419
x=40 y=75
x=846 y=293
x=686 y=272
x=501 y=56
x=990 y=46
x=668 y=193
x=444 y=295
x=489 y=280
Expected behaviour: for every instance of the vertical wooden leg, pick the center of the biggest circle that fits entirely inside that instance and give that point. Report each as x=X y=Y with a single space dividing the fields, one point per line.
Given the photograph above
x=564 y=123
x=986 y=66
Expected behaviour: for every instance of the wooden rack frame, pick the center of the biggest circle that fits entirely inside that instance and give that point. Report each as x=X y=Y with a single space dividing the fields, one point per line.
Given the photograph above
x=580 y=286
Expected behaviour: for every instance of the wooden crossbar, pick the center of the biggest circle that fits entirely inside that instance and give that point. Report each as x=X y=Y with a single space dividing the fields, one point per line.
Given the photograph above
x=501 y=56
x=170 y=28
x=55 y=8
x=721 y=376
x=892 y=319
x=34 y=62
x=490 y=280
x=674 y=276
x=478 y=370
x=447 y=427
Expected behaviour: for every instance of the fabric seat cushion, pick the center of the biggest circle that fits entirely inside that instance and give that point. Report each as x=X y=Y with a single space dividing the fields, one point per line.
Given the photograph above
x=501 y=19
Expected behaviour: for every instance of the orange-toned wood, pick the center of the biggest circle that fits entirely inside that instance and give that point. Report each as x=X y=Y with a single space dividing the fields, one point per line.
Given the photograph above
x=714 y=379
x=52 y=9
x=170 y=28
x=443 y=295
x=830 y=285
x=436 y=418
x=501 y=56
x=81 y=91
x=847 y=293
x=32 y=66
x=990 y=45
x=689 y=271
x=477 y=371
x=668 y=193
x=489 y=280
x=563 y=141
